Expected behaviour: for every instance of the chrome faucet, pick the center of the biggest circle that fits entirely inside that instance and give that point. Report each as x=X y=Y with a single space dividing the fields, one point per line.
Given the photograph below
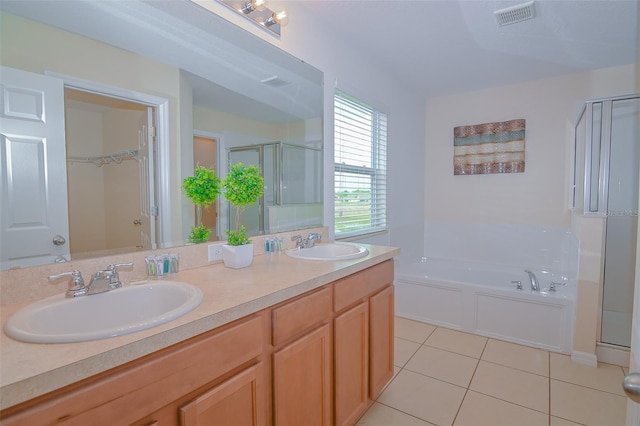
x=103 y=280
x=535 y=285
x=106 y=279
x=308 y=242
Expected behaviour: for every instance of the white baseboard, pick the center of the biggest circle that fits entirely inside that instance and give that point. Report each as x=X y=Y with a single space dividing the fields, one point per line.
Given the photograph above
x=584 y=358
x=613 y=356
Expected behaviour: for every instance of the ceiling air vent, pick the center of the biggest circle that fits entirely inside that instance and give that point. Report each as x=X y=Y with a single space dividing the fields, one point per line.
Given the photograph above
x=514 y=14
x=275 y=81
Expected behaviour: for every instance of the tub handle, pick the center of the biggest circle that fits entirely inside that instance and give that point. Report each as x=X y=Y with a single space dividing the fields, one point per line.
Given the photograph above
x=553 y=285
x=518 y=284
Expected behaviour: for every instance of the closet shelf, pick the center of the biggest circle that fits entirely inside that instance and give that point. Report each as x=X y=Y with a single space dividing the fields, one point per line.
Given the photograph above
x=100 y=160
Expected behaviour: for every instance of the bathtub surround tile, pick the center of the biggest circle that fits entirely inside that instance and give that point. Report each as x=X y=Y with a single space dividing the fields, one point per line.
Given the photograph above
x=606 y=377
x=535 y=247
x=443 y=365
x=516 y=356
x=428 y=399
x=457 y=341
x=381 y=415
x=403 y=351
x=482 y=410
x=414 y=331
x=516 y=386
x=587 y=406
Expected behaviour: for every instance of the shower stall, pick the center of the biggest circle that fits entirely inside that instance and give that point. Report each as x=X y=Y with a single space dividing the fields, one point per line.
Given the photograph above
x=606 y=176
x=292 y=187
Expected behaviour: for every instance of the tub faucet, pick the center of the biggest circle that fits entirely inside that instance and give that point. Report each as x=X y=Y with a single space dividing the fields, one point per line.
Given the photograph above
x=535 y=285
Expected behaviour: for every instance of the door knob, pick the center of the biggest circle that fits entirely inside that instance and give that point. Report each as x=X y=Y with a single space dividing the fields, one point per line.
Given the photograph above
x=59 y=240
x=137 y=222
x=631 y=386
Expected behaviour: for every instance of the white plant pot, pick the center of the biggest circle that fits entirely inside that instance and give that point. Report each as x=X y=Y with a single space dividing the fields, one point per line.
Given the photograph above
x=237 y=256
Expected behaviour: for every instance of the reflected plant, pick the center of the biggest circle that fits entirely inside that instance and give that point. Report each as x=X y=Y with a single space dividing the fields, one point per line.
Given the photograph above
x=243 y=185
x=202 y=189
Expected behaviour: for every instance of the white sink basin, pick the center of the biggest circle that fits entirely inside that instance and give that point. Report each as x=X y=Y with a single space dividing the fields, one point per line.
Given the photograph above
x=122 y=311
x=330 y=252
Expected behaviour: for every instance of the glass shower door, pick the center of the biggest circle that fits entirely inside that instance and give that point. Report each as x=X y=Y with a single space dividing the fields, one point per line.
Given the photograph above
x=621 y=220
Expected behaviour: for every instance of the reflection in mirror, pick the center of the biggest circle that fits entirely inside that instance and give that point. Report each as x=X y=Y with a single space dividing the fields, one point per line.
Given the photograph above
x=198 y=75
x=292 y=189
x=108 y=174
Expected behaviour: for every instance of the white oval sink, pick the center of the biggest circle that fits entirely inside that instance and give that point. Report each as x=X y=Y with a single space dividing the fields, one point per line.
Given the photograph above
x=330 y=251
x=125 y=310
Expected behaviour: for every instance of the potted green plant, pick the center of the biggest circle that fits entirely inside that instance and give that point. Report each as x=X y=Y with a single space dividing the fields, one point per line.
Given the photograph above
x=243 y=185
x=202 y=189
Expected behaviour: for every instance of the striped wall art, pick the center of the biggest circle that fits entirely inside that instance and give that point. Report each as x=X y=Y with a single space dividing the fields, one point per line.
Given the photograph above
x=489 y=148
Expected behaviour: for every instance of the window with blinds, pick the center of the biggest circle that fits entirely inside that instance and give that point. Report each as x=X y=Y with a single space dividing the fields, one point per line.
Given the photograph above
x=360 y=174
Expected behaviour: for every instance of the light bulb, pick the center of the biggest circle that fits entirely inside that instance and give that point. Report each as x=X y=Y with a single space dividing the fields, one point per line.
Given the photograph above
x=277 y=18
x=252 y=5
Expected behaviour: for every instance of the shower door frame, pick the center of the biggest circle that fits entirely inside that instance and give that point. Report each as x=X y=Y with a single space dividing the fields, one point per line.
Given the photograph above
x=598 y=207
x=604 y=154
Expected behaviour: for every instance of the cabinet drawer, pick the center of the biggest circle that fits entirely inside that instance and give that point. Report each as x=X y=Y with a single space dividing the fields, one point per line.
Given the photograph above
x=300 y=315
x=355 y=287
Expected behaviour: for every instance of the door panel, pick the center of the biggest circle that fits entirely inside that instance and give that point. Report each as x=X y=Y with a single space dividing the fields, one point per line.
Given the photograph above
x=33 y=182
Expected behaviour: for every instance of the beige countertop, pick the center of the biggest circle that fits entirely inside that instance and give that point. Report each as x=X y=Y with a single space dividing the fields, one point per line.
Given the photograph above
x=29 y=370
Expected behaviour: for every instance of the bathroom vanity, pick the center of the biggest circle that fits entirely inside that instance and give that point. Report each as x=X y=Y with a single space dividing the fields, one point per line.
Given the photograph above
x=311 y=344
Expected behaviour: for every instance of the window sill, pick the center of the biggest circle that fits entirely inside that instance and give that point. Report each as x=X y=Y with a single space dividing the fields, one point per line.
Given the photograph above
x=355 y=237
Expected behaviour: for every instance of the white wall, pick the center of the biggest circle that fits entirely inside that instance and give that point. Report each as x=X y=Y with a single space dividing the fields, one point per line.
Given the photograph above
x=363 y=77
x=346 y=68
x=540 y=196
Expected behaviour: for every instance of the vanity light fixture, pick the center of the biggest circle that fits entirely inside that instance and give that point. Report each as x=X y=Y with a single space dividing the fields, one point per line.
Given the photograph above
x=258 y=13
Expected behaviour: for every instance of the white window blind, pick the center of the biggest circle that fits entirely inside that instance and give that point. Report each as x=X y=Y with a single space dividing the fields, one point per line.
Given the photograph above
x=360 y=174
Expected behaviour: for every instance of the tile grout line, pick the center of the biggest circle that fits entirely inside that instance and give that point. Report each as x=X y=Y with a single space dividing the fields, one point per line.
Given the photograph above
x=470 y=380
x=549 y=385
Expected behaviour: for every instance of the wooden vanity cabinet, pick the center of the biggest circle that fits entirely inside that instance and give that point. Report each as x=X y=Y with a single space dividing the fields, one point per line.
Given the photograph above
x=351 y=338
x=317 y=359
x=363 y=336
x=301 y=352
x=195 y=376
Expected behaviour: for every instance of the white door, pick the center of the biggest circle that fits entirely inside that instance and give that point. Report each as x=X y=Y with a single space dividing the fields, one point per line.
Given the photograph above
x=33 y=181
x=148 y=209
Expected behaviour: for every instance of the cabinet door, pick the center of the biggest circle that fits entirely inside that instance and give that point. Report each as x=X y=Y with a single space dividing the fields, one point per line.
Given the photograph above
x=234 y=402
x=381 y=312
x=351 y=331
x=302 y=380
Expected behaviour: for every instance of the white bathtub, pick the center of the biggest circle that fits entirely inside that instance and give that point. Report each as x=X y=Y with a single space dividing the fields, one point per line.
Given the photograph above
x=482 y=299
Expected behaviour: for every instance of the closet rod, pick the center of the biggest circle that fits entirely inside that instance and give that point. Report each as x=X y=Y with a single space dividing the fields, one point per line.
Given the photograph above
x=100 y=160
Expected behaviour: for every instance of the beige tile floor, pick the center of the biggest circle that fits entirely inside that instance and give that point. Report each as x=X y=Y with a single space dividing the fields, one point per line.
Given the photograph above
x=446 y=377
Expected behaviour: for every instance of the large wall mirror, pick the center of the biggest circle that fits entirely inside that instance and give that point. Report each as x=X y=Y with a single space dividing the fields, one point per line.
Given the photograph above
x=123 y=100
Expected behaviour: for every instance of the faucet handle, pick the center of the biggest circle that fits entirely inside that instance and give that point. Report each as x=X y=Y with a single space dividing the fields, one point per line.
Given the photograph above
x=114 y=278
x=115 y=266
x=315 y=236
x=298 y=240
x=76 y=283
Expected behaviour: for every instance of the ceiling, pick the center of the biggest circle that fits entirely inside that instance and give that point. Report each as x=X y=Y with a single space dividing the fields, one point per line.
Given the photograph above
x=440 y=47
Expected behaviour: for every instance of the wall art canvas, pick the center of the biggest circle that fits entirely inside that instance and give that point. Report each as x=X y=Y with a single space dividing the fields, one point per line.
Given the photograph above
x=489 y=148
